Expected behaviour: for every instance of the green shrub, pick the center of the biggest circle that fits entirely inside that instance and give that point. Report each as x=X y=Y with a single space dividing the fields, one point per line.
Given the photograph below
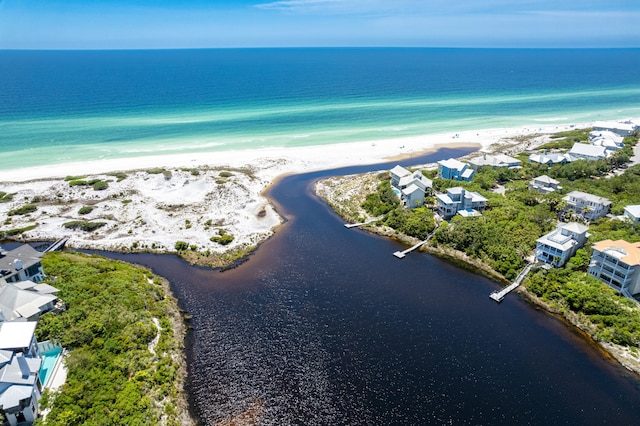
x=84 y=225
x=222 y=239
x=120 y=176
x=100 y=185
x=5 y=198
x=181 y=245
x=225 y=174
x=85 y=210
x=26 y=209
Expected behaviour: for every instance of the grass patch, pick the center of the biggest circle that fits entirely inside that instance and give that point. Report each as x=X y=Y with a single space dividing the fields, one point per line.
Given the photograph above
x=84 y=225
x=17 y=231
x=5 y=197
x=20 y=211
x=85 y=210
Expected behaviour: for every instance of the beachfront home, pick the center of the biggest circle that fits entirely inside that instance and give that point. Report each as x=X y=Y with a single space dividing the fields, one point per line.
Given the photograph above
x=632 y=213
x=544 y=184
x=494 y=161
x=458 y=200
x=559 y=245
x=607 y=139
x=550 y=159
x=455 y=170
x=21 y=264
x=27 y=300
x=583 y=151
x=617 y=263
x=619 y=128
x=410 y=187
x=20 y=386
x=589 y=206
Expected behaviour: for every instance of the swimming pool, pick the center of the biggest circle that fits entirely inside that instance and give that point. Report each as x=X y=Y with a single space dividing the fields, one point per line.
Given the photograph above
x=48 y=362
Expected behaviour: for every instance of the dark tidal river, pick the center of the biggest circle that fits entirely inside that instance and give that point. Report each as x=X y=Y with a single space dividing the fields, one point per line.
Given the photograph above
x=323 y=326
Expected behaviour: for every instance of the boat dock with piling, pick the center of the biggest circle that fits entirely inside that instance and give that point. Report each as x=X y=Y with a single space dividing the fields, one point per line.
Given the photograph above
x=499 y=295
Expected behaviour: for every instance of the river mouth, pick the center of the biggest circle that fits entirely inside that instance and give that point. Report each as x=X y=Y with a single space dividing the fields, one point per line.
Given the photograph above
x=322 y=325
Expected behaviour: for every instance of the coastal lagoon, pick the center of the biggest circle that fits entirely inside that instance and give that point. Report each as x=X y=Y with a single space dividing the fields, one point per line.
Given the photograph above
x=322 y=325
x=66 y=106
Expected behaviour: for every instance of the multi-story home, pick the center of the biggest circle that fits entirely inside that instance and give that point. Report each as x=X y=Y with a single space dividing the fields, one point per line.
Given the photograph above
x=20 y=386
x=494 y=161
x=455 y=170
x=21 y=264
x=544 y=184
x=617 y=263
x=583 y=151
x=632 y=213
x=587 y=205
x=410 y=187
x=607 y=139
x=620 y=129
x=559 y=245
x=550 y=159
x=27 y=300
x=458 y=200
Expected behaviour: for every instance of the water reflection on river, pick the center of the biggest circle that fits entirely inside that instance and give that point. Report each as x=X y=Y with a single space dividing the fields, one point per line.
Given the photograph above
x=324 y=326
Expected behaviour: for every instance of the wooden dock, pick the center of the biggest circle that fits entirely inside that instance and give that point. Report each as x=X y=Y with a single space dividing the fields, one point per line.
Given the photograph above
x=58 y=245
x=353 y=225
x=498 y=296
x=401 y=254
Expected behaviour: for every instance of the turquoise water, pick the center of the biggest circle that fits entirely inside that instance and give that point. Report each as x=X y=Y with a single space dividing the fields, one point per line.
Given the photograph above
x=63 y=106
x=48 y=362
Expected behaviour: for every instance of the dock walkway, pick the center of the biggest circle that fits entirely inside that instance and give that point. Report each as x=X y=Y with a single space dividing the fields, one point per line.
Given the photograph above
x=353 y=225
x=58 y=245
x=499 y=295
x=403 y=253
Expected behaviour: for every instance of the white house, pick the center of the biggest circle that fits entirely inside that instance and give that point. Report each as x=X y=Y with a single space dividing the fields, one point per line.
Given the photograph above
x=583 y=151
x=550 y=159
x=410 y=187
x=20 y=386
x=559 y=245
x=27 y=300
x=544 y=184
x=617 y=263
x=457 y=200
x=619 y=128
x=607 y=139
x=632 y=213
x=21 y=264
x=494 y=161
x=587 y=205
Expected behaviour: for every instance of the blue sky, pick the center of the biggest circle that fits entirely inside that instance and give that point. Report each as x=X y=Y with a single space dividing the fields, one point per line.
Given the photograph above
x=115 y=24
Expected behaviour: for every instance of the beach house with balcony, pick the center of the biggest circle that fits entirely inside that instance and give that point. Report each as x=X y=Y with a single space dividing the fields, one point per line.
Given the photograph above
x=27 y=300
x=20 y=386
x=457 y=200
x=587 y=205
x=632 y=213
x=455 y=170
x=21 y=264
x=617 y=264
x=619 y=128
x=550 y=159
x=583 y=151
x=559 y=245
x=544 y=184
x=494 y=161
x=411 y=188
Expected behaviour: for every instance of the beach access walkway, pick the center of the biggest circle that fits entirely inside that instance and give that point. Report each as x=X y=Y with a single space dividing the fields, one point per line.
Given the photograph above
x=58 y=245
x=354 y=225
x=402 y=254
x=498 y=296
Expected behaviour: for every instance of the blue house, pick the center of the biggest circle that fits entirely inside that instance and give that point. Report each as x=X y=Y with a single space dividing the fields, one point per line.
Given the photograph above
x=455 y=170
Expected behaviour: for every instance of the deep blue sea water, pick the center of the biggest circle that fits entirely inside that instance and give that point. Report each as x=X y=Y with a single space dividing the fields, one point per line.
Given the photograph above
x=60 y=106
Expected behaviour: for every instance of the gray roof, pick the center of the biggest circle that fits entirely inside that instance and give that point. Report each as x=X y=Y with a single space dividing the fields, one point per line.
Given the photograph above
x=400 y=171
x=17 y=380
x=27 y=254
x=587 y=197
x=15 y=302
x=633 y=210
x=546 y=179
x=588 y=150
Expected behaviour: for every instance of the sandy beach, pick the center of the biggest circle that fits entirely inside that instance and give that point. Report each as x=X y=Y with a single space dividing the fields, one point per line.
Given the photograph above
x=195 y=197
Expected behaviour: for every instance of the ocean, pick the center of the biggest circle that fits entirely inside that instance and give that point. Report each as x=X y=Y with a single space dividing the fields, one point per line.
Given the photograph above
x=64 y=106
